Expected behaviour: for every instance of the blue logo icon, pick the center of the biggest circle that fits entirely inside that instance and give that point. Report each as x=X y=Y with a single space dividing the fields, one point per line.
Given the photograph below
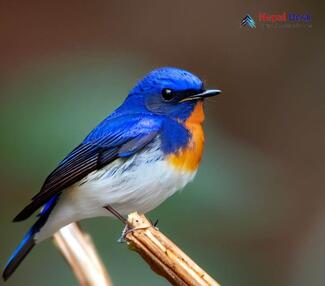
x=248 y=21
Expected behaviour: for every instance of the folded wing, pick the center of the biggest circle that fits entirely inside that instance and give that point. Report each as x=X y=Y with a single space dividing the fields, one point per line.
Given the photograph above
x=115 y=138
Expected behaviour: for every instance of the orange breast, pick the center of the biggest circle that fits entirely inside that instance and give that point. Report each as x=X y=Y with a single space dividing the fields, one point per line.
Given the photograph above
x=188 y=158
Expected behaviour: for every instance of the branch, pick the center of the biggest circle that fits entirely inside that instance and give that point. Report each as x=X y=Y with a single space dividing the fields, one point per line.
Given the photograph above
x=163 y=256
x=80 y=253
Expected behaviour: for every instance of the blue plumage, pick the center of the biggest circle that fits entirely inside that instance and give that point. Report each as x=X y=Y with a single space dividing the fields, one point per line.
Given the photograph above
x=24 y=247
x=28 y=241
x=154 y=111
x=166 y=77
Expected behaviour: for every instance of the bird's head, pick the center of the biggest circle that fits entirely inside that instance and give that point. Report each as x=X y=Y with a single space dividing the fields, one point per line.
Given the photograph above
x=169 y=91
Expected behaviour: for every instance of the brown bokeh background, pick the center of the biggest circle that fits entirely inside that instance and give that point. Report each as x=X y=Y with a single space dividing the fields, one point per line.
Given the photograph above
x=255 y=213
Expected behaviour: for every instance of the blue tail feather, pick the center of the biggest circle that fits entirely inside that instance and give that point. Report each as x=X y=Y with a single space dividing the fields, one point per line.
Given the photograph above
x=19 y=254
x=28 y=241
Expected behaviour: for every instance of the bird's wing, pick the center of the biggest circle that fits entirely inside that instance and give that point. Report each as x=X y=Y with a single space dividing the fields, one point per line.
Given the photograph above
x=116 y=138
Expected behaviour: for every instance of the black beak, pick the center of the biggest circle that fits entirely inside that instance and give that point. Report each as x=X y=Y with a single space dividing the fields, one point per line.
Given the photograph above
x=202 y=95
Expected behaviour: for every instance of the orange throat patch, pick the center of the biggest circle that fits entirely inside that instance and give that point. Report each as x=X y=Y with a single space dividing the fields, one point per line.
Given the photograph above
x=189 y=157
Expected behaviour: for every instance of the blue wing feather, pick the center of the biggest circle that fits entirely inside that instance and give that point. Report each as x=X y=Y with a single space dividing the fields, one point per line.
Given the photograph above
x=117 y=137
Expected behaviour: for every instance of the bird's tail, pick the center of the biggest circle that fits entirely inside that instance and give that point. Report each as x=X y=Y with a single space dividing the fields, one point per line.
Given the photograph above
x=28 y=242
x=25 y=246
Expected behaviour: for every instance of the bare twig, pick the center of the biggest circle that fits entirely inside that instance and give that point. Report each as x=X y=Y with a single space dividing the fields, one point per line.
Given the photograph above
x=80 y=252
x=163 y=256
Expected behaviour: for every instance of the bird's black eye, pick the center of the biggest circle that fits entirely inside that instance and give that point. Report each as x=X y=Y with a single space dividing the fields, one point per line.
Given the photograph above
x=167 y=94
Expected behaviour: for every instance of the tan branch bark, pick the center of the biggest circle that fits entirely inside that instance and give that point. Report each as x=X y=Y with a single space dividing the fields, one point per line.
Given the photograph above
x=163 y=256
x=80 y=253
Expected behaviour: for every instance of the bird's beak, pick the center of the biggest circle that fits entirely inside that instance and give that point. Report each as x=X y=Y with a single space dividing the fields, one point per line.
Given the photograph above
x=202 y=95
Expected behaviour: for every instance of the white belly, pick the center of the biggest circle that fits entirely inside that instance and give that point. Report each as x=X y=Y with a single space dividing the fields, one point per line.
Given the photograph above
x=139 y=183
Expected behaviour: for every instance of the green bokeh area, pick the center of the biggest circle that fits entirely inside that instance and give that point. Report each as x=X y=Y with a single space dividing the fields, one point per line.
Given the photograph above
x=218 y=219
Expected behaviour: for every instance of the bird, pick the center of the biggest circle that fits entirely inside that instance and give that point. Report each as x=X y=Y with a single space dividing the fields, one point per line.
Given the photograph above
x=138 y=156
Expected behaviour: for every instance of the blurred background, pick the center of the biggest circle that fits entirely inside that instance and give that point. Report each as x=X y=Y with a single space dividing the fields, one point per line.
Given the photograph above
x=255 y=213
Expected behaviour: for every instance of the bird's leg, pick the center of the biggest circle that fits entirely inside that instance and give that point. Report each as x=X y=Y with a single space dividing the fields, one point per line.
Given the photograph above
x=116 y=214
x=127 y=228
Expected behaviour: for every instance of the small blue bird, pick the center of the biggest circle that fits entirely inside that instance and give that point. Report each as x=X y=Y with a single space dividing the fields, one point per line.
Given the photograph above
x=136 y=158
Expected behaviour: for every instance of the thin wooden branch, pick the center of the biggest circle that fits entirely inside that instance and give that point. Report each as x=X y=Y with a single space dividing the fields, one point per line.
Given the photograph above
x=163 y=256
x=80 y=253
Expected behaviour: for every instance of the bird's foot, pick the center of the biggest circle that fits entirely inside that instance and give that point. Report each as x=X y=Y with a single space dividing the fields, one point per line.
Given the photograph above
x=154 y=224
x=127 y=229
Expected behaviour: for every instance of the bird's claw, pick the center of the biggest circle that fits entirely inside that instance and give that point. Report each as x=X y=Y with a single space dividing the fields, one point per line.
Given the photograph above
x=154 y=224
x=127 y=229
x=124 y=233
